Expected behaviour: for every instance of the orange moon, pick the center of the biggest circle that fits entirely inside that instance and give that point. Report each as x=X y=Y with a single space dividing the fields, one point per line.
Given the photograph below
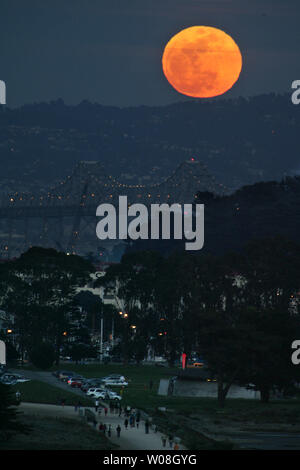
x=202 y=62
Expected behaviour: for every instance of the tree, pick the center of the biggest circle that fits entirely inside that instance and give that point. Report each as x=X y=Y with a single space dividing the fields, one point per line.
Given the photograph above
x=271 y=268
x=78 y=351
x=42 y=355
x=9 y=422
x=40 y=292
x=268 y=366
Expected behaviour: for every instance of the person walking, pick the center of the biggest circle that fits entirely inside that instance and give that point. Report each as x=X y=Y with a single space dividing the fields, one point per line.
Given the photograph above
x=147 y=427
x=118 y=430
x=171 y=441
x=109 y=430
x=96 y=405
x=126 y=423
x=176 y=446
x=164 y=441
x=105 y=411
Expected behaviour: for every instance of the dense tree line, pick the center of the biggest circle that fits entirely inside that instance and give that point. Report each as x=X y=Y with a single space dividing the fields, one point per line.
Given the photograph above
x=239 y=311
x=39 y=289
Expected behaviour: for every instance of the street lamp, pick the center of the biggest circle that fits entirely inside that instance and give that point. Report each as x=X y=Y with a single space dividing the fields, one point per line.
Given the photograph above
x=101 y=338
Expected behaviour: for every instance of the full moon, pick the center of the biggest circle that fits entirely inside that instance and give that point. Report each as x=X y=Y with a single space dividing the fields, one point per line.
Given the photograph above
x=202 y=62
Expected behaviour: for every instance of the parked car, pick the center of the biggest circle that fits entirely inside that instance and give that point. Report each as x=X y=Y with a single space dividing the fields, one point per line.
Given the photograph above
x=65 y=375
x=86 y=385
x=8 y=379
x=110 y=395
x=20 y=378
x=93 y=390
x=100 y=394
x=115 y=382
x=75 y=381
x=11 y=379
x=116 y=377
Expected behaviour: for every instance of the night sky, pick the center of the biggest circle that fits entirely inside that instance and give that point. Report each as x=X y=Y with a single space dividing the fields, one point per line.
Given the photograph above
x=109 y=51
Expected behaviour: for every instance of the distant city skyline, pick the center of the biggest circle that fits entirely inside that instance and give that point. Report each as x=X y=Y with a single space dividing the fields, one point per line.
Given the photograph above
x=110 y=51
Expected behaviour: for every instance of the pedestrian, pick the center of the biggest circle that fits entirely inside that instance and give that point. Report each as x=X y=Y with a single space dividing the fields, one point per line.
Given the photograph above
x=105 y=411
x=155 y=429
x=176 y=446
x=164 y=441
x=18 y=396
x=104 y=428
x=109 y=430
x=171 y=441
x=96 y=405
x=63 y=402
x=110 y=406
x=101 y=427
x=137 y=421
x=118 y=430
x=147 y=427
x=120 y=411
x=126 y=423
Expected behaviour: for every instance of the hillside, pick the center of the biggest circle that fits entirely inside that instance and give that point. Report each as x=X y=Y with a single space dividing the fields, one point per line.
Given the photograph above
x=241 y=141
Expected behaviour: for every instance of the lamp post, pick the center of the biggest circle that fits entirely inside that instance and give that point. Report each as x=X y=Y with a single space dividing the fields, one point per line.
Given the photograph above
x=101 y=338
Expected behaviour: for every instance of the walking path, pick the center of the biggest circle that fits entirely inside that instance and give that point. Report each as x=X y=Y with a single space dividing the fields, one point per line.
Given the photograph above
x=130 y=439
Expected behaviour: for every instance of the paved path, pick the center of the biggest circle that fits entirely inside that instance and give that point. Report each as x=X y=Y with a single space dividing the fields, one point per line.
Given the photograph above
x=130 y=439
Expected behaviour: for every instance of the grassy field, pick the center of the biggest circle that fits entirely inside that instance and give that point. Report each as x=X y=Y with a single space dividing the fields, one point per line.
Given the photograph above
x=138 y=394
x=184 y=417
x=57 y=434
x=41 y=392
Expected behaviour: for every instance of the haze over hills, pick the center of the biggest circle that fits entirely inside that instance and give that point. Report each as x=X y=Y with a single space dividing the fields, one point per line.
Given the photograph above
x=241 y=141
